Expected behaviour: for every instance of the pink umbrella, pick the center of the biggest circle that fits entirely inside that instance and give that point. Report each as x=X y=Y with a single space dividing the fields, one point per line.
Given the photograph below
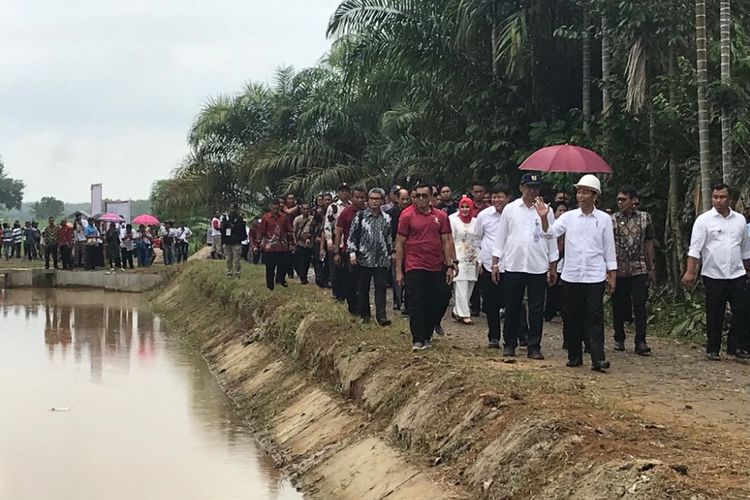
x=147 y=220
x=111 y=217
x=566 y=158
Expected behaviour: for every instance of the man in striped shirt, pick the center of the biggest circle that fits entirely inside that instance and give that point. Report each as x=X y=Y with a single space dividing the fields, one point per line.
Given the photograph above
x=49 y=237
x=17 y=239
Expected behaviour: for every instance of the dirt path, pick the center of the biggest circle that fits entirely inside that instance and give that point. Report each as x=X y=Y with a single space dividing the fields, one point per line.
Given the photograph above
x=674 y=384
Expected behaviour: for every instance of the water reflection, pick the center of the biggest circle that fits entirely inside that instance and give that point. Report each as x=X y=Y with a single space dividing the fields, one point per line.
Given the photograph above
x=148 y=420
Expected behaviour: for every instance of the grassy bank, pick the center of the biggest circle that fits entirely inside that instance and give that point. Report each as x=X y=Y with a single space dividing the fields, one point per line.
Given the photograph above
x=491 y=428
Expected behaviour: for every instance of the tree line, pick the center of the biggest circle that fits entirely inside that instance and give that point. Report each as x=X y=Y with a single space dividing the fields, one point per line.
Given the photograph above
x=451 y=90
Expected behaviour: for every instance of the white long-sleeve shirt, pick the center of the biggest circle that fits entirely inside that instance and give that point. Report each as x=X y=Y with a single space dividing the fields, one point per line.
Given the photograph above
x=721 y=243
x=521 y=247
x=486 y=229
x=589 y=245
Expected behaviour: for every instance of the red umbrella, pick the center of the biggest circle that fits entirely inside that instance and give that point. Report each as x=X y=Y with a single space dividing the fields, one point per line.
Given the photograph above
x=146 y=220
x=110 y=217
x=566 y=158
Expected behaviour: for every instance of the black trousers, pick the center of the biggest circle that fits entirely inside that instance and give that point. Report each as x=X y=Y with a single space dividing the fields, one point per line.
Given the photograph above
x=50 y=251
x=275 y=263
x=492 y=294
x=426 y=289
x=718 y=293
x=475 y=301
x=290 y=264
x=629 y=300
x=336 y=288
x=347 y=283
x=113 y=254
x=398 y=295
x=127 y=258
x=584 y=318
x=515 y=285
x=303 y=259
x=366 y=275
x=92 y=257
x=553 y=305
x=322 y=271
x=66 y=256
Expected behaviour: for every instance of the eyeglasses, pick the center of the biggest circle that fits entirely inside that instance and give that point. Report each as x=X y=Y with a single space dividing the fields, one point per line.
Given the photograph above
x=421 y=195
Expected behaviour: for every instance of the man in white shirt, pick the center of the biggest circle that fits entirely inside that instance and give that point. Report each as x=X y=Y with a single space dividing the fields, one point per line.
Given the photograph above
x=215 y=231
x=183 y=243
x=487 y=228
x=590 y=267
x=527 y=261
x=720 y=242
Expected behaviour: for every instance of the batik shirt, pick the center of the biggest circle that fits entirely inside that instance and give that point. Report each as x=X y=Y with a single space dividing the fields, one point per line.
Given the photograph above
x=370 y=239
x=631 y=233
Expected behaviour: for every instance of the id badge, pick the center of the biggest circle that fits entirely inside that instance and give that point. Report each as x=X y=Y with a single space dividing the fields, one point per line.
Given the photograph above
x=228 y=233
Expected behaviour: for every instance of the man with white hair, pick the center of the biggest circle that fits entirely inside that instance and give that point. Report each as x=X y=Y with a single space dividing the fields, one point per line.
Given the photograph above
x=370 y=248
x=590 y=268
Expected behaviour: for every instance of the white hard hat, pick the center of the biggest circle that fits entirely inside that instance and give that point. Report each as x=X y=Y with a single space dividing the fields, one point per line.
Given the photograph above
x=591 y=182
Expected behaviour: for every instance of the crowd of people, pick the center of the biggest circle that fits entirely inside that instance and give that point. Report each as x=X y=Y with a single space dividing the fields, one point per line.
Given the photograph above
x=89 y=244
x=520 y=261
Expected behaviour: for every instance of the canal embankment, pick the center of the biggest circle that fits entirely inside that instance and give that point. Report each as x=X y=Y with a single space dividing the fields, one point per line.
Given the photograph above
x=351 y=413
x=52 y=278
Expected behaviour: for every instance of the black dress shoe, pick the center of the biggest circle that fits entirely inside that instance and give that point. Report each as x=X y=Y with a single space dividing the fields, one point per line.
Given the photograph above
x=574 y=362
x=713 y=356
x=385 y=322
x=741 y=354
x=509 y=351
x=475 y=313
x=365 y=321
x=493 y=344
x=535 y=354
x=284 y=284
x=619 y=345
x=599 y=366
x=642 y=349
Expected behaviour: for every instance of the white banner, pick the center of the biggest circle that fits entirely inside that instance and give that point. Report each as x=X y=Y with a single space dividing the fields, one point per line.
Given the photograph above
x=96 y=199
x=119 y=208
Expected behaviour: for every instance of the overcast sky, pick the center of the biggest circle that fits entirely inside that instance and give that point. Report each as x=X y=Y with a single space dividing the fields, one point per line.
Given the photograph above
x=105 y=90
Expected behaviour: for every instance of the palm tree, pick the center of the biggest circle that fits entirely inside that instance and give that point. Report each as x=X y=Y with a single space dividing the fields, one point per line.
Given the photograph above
x=703 y=118
x=606 y=102
x=726 y=119
x=586 y=77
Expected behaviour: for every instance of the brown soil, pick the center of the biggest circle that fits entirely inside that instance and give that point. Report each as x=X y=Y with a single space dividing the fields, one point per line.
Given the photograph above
x=352 y=413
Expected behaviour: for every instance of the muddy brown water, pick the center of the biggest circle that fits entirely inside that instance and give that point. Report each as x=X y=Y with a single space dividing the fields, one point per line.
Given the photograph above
x=140 y=416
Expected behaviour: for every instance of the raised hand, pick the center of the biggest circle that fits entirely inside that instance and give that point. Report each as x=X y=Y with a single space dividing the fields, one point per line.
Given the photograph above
x=541 y=208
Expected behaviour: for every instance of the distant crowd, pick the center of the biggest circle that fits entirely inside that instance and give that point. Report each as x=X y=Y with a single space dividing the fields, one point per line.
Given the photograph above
x=88 y=243
x=519 y=261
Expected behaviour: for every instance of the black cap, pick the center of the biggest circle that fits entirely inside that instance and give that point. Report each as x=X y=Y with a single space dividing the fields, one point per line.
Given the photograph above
x=343 y=187
x=531 y=180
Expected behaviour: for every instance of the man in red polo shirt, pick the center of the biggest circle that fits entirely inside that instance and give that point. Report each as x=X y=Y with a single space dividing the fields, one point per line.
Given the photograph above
x=347 y=278
x=424 y=248
x=276 y=241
